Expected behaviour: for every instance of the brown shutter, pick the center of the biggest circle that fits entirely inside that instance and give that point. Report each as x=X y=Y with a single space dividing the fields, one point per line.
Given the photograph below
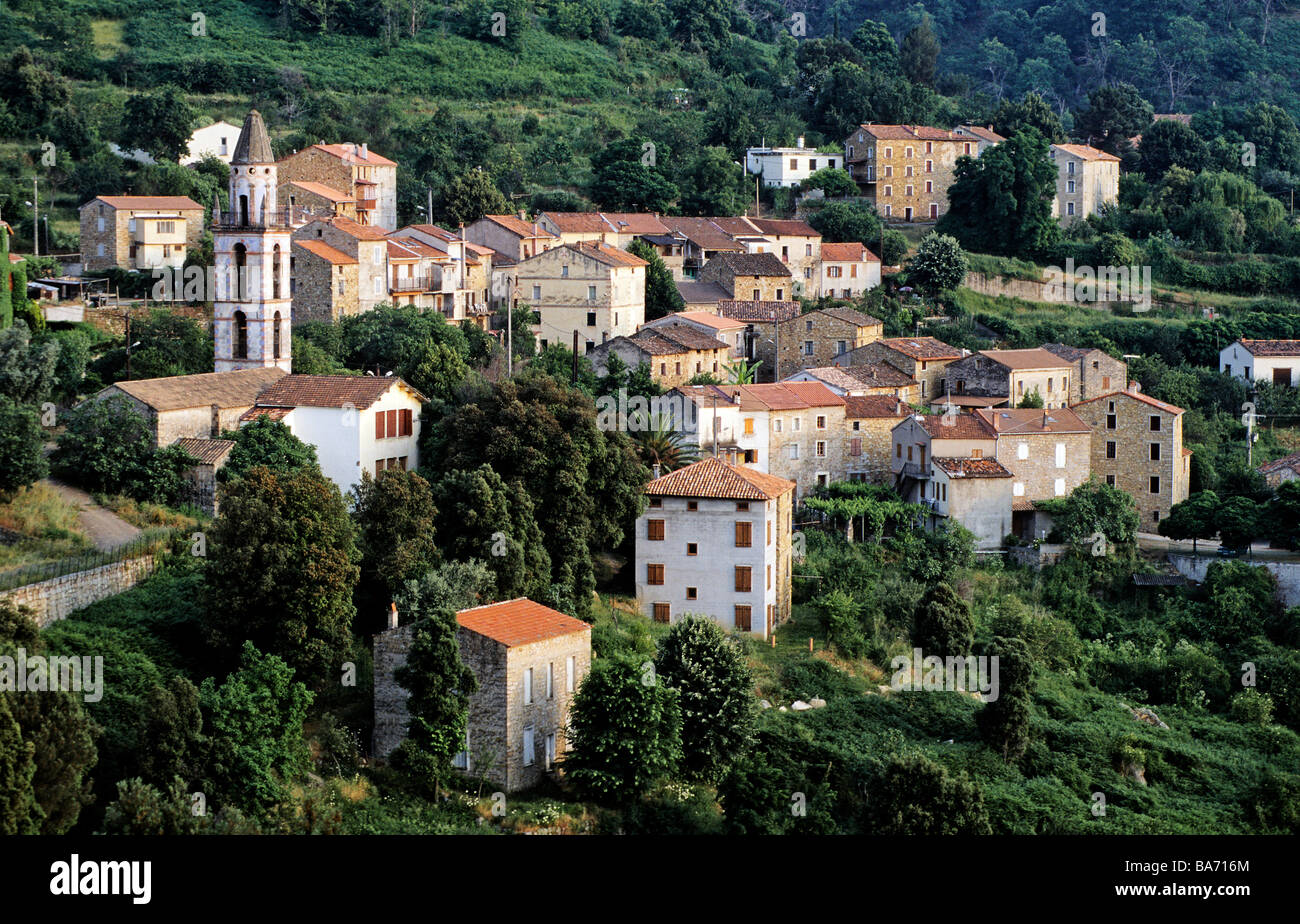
x=744 y=580
x=855 y=446
x=391 y=423
x=654 y=574
x=407 y=428
x=743 y=621
x=744 y=534
x=655 y=530
x=379 y=425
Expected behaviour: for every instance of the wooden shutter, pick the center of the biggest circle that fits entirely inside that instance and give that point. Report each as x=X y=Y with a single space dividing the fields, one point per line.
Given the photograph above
x=743 y=617
x=744 y=534
x=379 y=425
x=661 y=612
x=654 y=574
x=855 y=446
x=744 y=578
x=391 y=423
x=407 y=422
x=655 y=530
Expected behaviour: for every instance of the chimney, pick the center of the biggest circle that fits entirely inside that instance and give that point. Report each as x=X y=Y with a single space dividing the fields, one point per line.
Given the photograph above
x=522 y=217
x=1134 y=386
x=392 y=615
x=1044 y=418
x=365 y=150
x=799 y=142
x=656 y=469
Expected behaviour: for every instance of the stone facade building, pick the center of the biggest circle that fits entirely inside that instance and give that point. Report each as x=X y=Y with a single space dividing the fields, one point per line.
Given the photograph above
x=325 y=282
x=1096 y=372
x=869 y=421
x=139 y=232
x=715 y=541
x=1086 y=179
x=761 y=319
x=1280 y=470
x=975 y=493
x=201 y=487
x=923 y=359
x=591 y=289
x=354 y=172
x=817 y=337
x=755 y=277
x=308 y=198
x=1137 y=446
x=1011 y=375
x=1049 y=453
x=905 y=170
x=872 y=379
x=729 y=331
x=797 y=244
x=675 y=355
x=528 y=661
x=511 y=237
x=617 y=229
x=366 y=246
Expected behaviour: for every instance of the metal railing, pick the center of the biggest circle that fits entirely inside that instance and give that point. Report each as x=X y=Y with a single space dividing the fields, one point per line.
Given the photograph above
x=149 y=542
x=915 y=470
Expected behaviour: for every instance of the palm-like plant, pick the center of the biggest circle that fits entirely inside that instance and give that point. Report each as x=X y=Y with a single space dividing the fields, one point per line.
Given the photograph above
x=741 y=372
x=661 y=445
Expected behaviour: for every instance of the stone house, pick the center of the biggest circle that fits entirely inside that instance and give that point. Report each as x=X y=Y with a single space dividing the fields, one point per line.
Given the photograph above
x=200 y=406
x=215 y=140
x=761 y=320
x=317 y=199
x=799 y=246
x=617 y=229
x=1137 y=446
x=715 y=540
x=510 y=237
x=983 y=136
x=1276 y=472
x=923 y=359
x=324 y=282
x=702 y=296
x=528 y=660
x=1011 y=375
x=755 y=277
x=356 y=422
x=1086 y=179
x=201 y=480
x=731 y=332
x=703 y=240
x=1096 y=372
x=1276 y=361
x=874 y=379
x=905 y=170
x=675 y=355
x=975 y=493
x=817 y=337
x=869 y=421
x=353 y=170
x=365 y=244
x=847 y=270
x=1049 y=453
x=591 y=289
x=139 y=232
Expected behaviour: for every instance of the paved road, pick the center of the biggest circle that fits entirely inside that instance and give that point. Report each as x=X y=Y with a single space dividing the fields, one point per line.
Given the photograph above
x=1210 y=547
x=104 y=528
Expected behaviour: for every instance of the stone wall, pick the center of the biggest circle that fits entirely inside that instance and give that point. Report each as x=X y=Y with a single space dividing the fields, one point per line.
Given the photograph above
x=391 y=715
x=1037 y=556
x=1286 y=572
x=54 y=599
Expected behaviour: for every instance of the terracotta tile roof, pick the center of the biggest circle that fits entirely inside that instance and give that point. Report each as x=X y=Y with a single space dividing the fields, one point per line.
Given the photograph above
x=875 y=406
x=957 y=427
x=751 y=311
x=224 y=389
x=1286 y=463
x=1271 y=347
x=785 y=228
x=852 y=252
x=1034 y=358
x=517 y=225
x=404 y=250
x=360 y=391
x=1034 y=420
x=753 y=264
x=702 y=233
x=735 y=225
x=320 y=189
x=1086 y=152
x=431 y=230
x=153 y=203
x=325 y=252
x=679 y=338
x=972 y=400
x=883 y=132
x=578 y=222
x=920 y=347
x=1021 y=504
x=717 y=479
x=635 y=222
x=813 y=394
x=1065 y=351
x=985 y=134
x=702 y=293
x=699 y=317
x=352 y=154
x=832 y=375
x=519 y=622
x=880 y=375
x=274 y=413
x=208 y=452
x=604 y=253
x=848 y=315
x=1136 y=396
x=971 y=468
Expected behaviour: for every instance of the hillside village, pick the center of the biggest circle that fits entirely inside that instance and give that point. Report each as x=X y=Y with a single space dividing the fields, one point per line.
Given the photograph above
x=273 y=417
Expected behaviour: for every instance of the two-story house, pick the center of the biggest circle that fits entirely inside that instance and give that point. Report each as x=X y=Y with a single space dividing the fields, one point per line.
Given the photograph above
x=366 y=178
x=702 y=240
x=510 y=237
x=365 y=244
x=674 y=354
x=751 y=277
x=139 y=232
x=1009 y=376
x=869 y=421
x=788 y=166
x=817 y=337
x=1276 y=361
x=761 y=320
x=730 y=331
x=1096 y=372
x=617 y=229
x=1049 y=453
x=715 y=541
x=589 y=288
x=797 y=244
x=847 y=270
x=922 y=359
x=1137 y=446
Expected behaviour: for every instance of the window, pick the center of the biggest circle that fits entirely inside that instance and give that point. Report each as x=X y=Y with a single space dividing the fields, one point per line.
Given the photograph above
x=757 y=293
x=530 y=747
x=1018 y=489
x=1022 y=451
x=769 y=577
x=1155 y=516
x=1110 y=421
x=591 y=293
x=898 y=450
x=1105 y=380
x=974 y=454
x=798 y=423
x=550 y=750
x=654 y=574
x=966 y=148
x=537 y=293
x=692 y=548
x=742 y=506
x=591 y=319
x=744 y=534
x=569 y=673
x=100 y=223
x=855 y=446
x=794 y=450
x=821 y=449
x=1155 y=422
x=808 y=348
x=656 y=502
x=1069 y=208
x=241 y=335
x=1069 y=186
x=692 y=593
x=654 y=530
x=909 y=190
x=841 y=346
x=794 y=163
x=692 y=505
x=821 y=422
x=749 y=426
x=1059 y=487
x=744 y=578
x=1110 y=449
x=776 y=425
x=564 y=271
x=1110 y=480
x=743 y=615
x=780 y=295
x=661 y=612
x=1060 y=455
x=1155 y=484
x=889 y=191
x=1155 y=452
x=550 y=680
x=528 y=686
x=929 y=186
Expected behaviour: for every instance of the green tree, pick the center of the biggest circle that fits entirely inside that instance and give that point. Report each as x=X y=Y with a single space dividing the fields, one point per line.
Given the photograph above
x=1115 y=113
x=944 y=625
x=1191 y=519
x=1095 y=510
x=625 y=729
x=22 y=446
x=714 y=184
x=918 y=55
x=159 y=122
x=914 y=795
x=846 y=222
x=1031 y=111
x=416 y=344
x=439 y=687
x=832 y=181
x=714 y=692
x=704 y=25
x=256 y=717
x=626 y=177
x=893 y=247
x=395 y=516
x=939 y=263
x=104 y=446
x=1032 y=399
x=661 y=295
x=877 y=47
x=266 y=443
x=1169 y=143
x=281 y=571
x=1004 y=722
x=469 y=197
x=1282 y=515
x=27 y=368
x=1237 y=522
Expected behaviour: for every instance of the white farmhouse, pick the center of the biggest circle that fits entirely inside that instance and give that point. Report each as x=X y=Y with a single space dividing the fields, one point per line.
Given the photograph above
x=356 y=422
x=217 y=139
x=1276 y=361
x=788 y=166
x=715 y=541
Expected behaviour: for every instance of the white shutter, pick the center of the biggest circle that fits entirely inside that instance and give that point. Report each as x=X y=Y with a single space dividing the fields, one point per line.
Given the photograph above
x=550 y=680
x=1060 y=455
x=1022 y=451
x=1060 y=487
x=528 y=686
x=569 y=670
x=530 y=747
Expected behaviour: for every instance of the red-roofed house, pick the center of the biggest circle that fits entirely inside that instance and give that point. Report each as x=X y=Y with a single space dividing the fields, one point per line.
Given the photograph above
x=352 y=169
x=847 y=270
x=528 y=661
x=715 y=541
x=906 y=169
x=590 y=288
x=139 y=232
x=1276 y=361
x=364 y=244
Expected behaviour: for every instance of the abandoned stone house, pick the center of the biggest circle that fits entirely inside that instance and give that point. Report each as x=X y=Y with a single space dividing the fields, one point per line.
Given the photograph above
x=815 y=338
x=1007 y=377
x=1096 y=372
x=923 y=359
x=528 y=660
x=755 y=277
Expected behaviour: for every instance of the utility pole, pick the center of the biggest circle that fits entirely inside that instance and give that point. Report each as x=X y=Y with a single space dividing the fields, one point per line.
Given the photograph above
x=36 y=215
x=575 y=357
x=714 y=424
x=127 y=316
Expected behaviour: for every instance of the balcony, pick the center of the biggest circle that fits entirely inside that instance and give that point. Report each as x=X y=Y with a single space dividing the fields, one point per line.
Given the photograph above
x=280 y=220
x=915 y=470
x=412 y=284
x=367 y=205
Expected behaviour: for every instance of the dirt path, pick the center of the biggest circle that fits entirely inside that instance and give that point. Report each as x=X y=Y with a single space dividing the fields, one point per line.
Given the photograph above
x=105 y=529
